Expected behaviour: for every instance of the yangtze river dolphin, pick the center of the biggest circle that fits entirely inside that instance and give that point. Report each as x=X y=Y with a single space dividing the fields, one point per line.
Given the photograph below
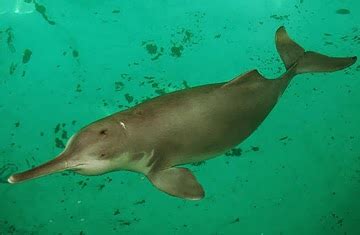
x=191 y=125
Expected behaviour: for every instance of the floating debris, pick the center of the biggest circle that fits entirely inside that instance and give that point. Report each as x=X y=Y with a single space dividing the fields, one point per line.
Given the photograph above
x=139 y=202
x=42 y=10
x=117 y=212
x=129 y=98
x=176 y=51
x=64 y=135
x=198 y=163
x=343 y=11
x=12 y=68
x=101 y=187
x=153 y=50
x=235 y=152
x=59 y=143
x=57 y=128
x=119 y=86
x=237 y=220
x=78 y=88
x=26 y=56
x=82 y=183
x=125 y=222
x=278 y=17
x=187 y=36
x=186 y=85
x=10 y=39
x=160 y=91
x=75 y=53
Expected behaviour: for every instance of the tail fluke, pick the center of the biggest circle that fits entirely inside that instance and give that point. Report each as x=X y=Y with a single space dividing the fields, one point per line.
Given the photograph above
x=289 y=51
x=293 y=55
x=315 y=62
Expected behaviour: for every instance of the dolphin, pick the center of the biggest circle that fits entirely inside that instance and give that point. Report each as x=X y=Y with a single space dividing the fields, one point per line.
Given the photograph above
x=159 y=135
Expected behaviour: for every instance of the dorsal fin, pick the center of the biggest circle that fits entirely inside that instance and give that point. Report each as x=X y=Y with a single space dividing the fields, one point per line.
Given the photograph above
x=253 y=74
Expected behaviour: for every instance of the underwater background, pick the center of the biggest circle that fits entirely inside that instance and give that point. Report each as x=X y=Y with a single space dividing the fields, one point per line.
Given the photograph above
x=64 y=64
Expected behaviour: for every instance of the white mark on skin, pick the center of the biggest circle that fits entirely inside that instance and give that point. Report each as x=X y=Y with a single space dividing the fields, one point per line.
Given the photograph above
x=122 y=124
x=69 y=141
x=126 y=162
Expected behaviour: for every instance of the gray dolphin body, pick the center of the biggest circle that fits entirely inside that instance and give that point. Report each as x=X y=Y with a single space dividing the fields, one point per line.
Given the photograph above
x=186 y=126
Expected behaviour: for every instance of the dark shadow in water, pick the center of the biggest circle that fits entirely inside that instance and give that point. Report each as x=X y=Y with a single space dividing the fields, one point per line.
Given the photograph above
x=6 y=171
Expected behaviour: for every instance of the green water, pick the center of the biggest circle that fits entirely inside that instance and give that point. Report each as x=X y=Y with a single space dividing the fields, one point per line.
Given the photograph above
x=64 y=64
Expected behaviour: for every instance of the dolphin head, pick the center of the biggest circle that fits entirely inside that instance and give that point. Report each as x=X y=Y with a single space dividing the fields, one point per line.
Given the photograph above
x=94 y=150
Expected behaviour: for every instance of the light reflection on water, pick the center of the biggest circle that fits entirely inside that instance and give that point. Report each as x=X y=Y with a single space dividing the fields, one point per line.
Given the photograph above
x=16 y=6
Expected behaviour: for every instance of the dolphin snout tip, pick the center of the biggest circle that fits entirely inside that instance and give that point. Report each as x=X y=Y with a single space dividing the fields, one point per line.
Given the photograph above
x=11 y=180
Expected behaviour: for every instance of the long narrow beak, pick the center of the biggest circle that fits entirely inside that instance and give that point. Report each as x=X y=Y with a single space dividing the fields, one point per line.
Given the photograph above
x=56 y=165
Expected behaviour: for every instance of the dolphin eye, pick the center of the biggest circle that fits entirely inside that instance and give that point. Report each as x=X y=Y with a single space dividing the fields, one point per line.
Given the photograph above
x=103 y=132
